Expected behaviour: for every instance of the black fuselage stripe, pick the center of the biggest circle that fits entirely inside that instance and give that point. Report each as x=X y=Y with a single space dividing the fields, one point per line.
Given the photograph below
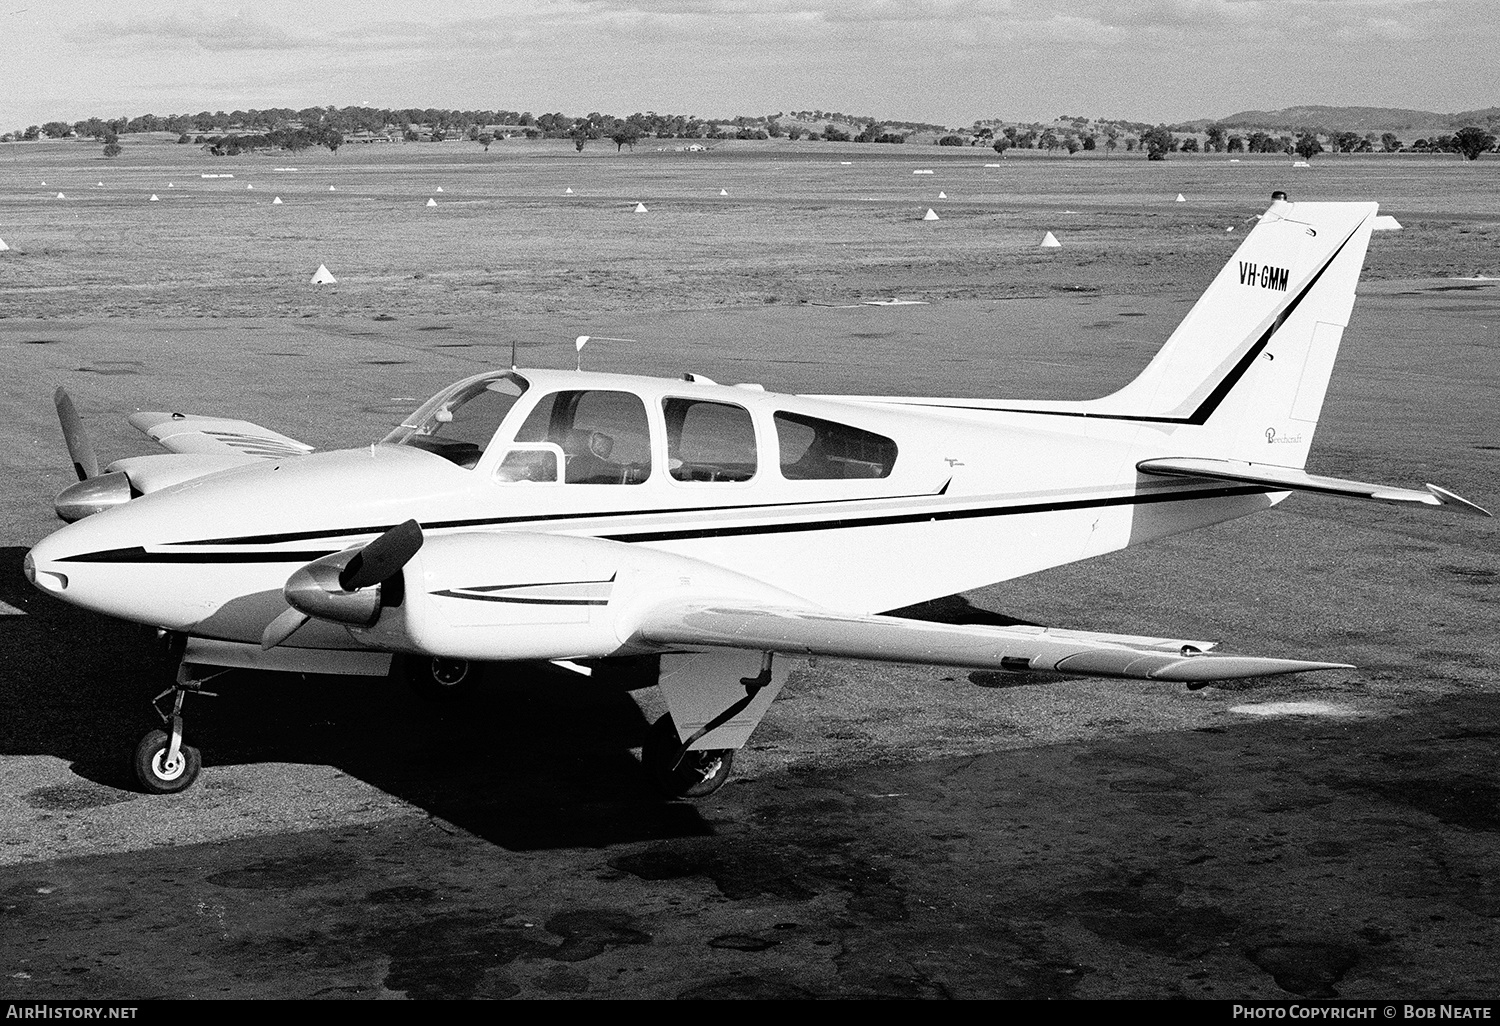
x=140 y=555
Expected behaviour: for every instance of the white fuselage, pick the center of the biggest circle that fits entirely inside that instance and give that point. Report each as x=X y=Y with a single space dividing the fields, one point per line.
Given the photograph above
x=973 y=497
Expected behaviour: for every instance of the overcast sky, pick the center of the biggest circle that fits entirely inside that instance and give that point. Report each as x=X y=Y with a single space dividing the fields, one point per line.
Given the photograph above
x=944 y=61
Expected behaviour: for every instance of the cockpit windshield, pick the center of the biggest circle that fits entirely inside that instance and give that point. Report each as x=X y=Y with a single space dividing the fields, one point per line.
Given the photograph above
x=458 y=423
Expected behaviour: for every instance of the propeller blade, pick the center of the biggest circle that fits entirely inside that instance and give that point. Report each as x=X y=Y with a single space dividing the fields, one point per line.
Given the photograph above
x=382 y=558
x=85 y=463
x=283 y=627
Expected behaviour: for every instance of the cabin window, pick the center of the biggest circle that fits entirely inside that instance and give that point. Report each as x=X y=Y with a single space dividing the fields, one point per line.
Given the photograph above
x=709 y=441
x=603 y=435
x=813 y=449
x=459 y=425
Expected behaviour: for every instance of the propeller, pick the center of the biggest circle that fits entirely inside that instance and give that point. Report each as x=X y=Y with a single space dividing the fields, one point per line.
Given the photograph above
x=346 y=587
x=93 y=492
x=80 y=451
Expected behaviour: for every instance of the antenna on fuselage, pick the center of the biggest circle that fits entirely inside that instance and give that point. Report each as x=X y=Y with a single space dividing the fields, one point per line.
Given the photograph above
x=583 y=340
x=513 y=352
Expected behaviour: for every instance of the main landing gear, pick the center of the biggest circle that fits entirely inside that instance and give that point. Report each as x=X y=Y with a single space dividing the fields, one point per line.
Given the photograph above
x=162 y=763
x=679 y=772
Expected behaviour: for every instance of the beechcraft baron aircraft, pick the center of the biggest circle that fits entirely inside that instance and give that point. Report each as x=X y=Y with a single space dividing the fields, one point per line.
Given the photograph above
x=573 y=516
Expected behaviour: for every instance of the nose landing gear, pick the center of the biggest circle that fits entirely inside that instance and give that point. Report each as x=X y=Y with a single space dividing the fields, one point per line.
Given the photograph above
x=162 y=763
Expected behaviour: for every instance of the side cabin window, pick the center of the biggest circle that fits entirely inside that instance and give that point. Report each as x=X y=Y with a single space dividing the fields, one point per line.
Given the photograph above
x=709 y=441
x=604 y=435
x=459 y=426
x=813 y=449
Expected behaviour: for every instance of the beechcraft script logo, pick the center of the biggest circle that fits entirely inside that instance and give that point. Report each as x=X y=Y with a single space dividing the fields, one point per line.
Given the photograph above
x=1264 y=275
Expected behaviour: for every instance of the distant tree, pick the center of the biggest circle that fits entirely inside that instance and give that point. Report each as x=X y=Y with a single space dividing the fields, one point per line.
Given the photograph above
x=950 y=140
x=57 y=129
x=1089 y=142
x=438 y=135
x=774 y=129
x=112 y=149
x=1158 y=143
x=625 y=134
x=1071 y=144
x=1216 y=139
x=333 y=140
x=1472 y=141
x=410 y=135
x=33 y=132
x=184 y=138
x=1307 y=145
x=834 y=134
x=484 y=139
x=1236 y=144
x=1390 y=143
x=1345 y=142
x=1001 y=144
x=1190 y=144
x=794 y=133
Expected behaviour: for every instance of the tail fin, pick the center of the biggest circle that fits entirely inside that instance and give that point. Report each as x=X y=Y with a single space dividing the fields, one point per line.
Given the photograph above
x=1252 y=359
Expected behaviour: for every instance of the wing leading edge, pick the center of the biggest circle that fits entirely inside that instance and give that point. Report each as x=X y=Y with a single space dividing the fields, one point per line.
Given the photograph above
x=893 y=639
x=214 y=436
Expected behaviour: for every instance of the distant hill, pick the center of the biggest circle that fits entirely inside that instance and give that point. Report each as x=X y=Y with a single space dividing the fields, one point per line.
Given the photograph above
x=1358 y=119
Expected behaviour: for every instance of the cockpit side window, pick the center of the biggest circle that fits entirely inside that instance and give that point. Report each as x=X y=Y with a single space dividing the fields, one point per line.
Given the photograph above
x=459 y=425
x=709 y=441
x=813 y=449
x=604 y=435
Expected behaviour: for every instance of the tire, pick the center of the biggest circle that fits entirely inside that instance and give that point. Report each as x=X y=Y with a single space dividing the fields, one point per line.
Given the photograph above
x=157 y=776
x=697 y=774
x=437 y=679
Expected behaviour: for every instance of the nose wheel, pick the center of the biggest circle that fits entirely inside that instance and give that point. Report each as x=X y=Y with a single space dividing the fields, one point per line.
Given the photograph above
x=162 y=763
x=438 y=679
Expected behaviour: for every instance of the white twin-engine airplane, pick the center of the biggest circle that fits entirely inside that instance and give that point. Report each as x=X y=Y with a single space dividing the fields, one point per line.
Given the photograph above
x=592 y=519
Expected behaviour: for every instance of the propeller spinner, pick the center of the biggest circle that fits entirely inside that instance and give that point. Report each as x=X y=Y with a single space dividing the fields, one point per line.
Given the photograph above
x=347 y=587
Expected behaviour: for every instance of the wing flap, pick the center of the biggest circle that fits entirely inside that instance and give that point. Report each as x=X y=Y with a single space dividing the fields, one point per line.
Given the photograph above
x=216 y=436
x=1288 y=479
x=892 y=639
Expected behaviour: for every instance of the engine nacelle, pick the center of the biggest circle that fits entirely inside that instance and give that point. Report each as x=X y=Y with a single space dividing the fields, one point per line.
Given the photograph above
x=500 y=596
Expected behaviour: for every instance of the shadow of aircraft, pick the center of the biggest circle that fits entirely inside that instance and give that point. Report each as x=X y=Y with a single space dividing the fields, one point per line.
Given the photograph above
x=536 y=758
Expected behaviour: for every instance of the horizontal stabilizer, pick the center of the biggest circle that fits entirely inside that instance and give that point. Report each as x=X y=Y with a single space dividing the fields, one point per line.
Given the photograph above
x=213 y=436
x=1287 y=479
x=893 y=639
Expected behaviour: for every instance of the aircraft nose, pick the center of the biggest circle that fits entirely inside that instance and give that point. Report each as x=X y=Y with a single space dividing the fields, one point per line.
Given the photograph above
x=41 y=569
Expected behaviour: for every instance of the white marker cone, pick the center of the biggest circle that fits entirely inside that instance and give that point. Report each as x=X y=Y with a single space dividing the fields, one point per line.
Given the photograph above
x=640 y=208
x=1180 y=198
x=99 y=184
x=249 y=187
x=723 y=192
x=440 y=188
x=568 y=191
x=931 y=215
x=61 y=196
x=1049 y=241
x=330 y=188
x=431 y=202
x=154 y=198
x=276 y=202
x=323 y=277
x=942 y=195
x=3 y=246
x=171 y=186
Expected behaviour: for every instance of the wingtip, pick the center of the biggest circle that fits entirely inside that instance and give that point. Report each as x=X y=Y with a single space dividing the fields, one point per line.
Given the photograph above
x=1448 y=498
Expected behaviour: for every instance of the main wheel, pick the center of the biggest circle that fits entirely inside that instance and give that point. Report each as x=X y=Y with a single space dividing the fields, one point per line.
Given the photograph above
x=443 y=680
x=159 y=775
x=696 y=775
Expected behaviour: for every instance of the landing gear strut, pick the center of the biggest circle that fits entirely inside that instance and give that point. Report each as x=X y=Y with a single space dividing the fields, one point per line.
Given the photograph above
x=163 y=764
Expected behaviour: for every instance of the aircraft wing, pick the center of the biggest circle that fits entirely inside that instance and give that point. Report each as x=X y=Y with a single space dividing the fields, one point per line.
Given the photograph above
x=894 y=639
x=1287 y=479
x=213 y=436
